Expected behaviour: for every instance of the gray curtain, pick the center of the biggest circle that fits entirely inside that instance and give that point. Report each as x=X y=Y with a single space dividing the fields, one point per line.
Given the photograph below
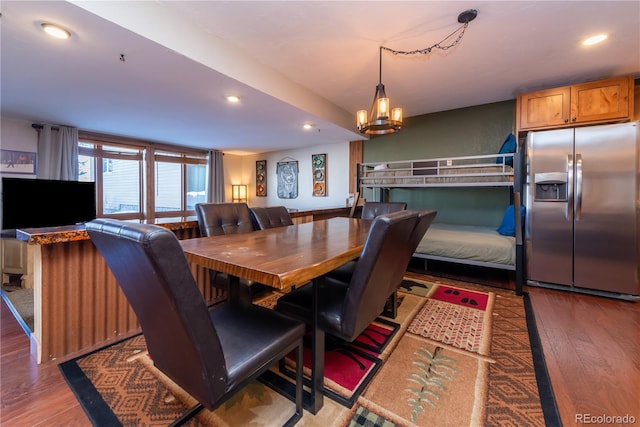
x=215 y=180
x=58 y=153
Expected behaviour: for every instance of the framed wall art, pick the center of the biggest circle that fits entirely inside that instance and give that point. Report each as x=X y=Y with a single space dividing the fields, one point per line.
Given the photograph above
x=319 y=171
x=261 y=178
x=20 y=162
x=287 y=179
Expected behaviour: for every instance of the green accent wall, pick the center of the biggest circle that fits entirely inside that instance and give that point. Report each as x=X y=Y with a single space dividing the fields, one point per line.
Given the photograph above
x=463 y=132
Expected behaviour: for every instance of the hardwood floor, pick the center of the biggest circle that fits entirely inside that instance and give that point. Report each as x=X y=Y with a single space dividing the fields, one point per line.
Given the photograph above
x=31 y=394
x=591 y=347
x=592 y=351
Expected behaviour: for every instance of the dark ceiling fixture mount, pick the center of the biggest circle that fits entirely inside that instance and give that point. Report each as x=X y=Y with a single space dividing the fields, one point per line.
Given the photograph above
x=382 y=120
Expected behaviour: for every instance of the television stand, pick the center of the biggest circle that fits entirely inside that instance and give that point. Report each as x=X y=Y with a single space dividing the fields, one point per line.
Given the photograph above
x=14 y=258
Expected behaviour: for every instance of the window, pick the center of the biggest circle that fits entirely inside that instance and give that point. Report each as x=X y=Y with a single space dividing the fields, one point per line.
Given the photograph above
x=127 y=191
x=180 y=181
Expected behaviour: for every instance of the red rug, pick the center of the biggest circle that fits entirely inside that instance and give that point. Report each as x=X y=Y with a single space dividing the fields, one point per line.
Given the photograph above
x=462 y=297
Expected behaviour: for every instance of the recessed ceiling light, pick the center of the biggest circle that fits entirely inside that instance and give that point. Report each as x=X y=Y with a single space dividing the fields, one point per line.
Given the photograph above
x=307 y=126
x=233 y=99
x=594 y=39
x=55 y=31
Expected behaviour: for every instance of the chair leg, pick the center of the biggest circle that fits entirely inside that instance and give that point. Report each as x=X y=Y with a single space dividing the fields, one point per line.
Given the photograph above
x=299 y=390
x=391 y=306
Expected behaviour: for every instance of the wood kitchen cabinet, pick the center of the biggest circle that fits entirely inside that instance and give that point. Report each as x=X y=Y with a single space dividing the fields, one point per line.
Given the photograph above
x=587 y=103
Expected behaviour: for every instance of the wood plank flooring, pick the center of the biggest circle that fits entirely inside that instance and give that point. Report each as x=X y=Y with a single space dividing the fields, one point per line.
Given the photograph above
x=591 y=346
x=592 y=351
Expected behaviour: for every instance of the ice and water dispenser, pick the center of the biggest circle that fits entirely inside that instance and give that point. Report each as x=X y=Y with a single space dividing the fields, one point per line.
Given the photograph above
x=551 y=187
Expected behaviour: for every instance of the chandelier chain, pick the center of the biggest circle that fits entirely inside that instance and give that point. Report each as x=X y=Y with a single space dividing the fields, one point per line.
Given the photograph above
x=460 y=30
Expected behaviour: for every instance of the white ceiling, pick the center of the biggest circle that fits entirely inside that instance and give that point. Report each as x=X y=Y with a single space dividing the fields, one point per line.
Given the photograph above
x=291 y=62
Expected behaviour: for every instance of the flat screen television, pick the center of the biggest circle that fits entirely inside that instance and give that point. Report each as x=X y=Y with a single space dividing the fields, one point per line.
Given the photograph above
x=32 y=203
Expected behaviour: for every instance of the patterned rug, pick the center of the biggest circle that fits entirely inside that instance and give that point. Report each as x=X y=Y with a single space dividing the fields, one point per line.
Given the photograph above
x=466 y=375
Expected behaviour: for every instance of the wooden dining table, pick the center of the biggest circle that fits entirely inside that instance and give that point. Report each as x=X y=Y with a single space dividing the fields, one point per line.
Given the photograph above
x=284 y=258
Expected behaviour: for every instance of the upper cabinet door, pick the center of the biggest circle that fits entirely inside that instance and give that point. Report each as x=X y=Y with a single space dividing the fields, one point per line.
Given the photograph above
x=545 y=108
x=587 y=103
x=601 y=101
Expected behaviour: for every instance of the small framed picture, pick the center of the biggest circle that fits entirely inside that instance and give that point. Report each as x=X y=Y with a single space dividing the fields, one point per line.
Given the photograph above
x=287 y=180
x=261 y=178
x=319 y=171
x=20 y=162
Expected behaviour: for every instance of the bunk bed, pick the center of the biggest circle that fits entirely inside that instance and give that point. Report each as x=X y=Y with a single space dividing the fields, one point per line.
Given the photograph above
x=466 y=244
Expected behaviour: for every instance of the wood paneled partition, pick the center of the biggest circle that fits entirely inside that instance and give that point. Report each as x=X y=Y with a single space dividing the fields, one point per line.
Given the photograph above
x=81 y=303
x=78 y=303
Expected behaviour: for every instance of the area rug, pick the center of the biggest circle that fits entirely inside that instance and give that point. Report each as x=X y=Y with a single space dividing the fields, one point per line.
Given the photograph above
x=456 y=317
x=422 y=380
x=20 y=302
x=348 y=368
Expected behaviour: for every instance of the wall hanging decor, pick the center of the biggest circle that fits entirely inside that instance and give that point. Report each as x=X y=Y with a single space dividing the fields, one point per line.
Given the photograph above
x=22 y=162
x=261 y=178
x=319 y=170
x=287 y=179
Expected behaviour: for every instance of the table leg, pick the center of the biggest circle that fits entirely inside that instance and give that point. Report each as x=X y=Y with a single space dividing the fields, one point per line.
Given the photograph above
x=236 y=291
x=314 y=399
x=234 y=288
x=317 y=352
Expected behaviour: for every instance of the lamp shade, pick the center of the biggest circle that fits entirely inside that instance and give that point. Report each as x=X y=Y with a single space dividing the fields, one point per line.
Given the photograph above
x=238 y=193
x=396 y=114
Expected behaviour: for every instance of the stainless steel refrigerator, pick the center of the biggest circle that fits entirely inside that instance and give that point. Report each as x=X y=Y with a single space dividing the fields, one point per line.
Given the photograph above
x=582 y=200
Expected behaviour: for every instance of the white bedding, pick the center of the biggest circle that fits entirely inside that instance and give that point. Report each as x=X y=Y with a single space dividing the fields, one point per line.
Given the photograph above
x=466 y=242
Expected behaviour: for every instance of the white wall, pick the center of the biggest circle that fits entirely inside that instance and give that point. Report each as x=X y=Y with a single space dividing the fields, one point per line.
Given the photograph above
x=337 y=177
x=234 y=173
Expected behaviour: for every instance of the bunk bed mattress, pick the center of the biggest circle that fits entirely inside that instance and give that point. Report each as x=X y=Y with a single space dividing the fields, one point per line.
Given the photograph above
x=480 y=244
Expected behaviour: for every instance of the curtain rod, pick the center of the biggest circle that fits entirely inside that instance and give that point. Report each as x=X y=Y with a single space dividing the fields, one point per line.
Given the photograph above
x=39 y=126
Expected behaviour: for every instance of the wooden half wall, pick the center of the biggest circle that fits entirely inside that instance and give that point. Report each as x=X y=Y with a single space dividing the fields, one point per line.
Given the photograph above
x=79 y=306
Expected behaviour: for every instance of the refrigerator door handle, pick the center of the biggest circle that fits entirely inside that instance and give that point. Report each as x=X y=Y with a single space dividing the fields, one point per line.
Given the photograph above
x=578 y=207
x=568 y=213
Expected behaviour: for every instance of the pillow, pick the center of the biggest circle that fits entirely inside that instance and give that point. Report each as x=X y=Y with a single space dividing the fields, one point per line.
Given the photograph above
x=508 y=146
x=508 y=225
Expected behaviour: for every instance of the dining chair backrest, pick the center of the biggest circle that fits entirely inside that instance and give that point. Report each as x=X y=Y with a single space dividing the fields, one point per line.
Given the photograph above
x=425 y=219
x=215 y=219
x=152 y=271
x=383 y=260
x=270 y=217
x=370 y=210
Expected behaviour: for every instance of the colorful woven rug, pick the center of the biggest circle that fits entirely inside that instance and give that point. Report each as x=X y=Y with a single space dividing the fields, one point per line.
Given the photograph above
x=456 y=317
x=423 y=379
x=347 y=370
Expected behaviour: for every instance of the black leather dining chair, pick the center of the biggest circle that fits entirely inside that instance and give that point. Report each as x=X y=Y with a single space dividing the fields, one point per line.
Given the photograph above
x=425 y=219
x=270 y=217
x=370 y=210
x=345 y=310
x=345 y=272
x=211 y=354
x=216 y=219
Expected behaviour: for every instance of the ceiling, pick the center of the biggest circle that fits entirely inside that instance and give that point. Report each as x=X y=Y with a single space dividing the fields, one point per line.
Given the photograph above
x=160 y=70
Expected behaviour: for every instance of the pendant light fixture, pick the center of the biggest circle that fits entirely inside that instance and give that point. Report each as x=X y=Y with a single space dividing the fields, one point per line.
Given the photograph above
x=379 y=122
x=382 y=119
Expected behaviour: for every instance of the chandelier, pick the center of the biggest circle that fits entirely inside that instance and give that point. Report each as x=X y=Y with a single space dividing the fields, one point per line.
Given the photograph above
x=382 y=120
